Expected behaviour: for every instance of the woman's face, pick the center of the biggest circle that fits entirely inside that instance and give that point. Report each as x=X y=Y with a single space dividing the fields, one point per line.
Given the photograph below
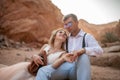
x=61 y=35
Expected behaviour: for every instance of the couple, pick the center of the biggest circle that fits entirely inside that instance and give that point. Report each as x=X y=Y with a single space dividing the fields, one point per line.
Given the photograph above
x=61 y=65
x=73 y=64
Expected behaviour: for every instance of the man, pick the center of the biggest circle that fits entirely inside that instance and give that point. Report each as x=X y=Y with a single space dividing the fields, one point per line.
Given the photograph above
x=80 y=68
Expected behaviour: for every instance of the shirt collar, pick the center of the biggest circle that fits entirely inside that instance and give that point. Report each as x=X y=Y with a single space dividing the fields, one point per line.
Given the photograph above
x=80 y=34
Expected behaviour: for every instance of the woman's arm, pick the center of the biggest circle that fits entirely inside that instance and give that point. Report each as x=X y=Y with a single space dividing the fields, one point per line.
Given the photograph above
x=65 y=57
x=37 y=59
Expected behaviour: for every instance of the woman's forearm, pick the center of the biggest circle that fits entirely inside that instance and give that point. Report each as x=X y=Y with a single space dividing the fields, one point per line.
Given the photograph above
x=58 y=62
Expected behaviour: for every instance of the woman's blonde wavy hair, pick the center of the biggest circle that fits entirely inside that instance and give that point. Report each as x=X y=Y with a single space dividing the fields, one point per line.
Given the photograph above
x=52 y=38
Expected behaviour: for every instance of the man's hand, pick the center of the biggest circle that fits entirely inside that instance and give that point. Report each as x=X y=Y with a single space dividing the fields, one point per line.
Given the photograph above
x=77 y=53
x=37 y=60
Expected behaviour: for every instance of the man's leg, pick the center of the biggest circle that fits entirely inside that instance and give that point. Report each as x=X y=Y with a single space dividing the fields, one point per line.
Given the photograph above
x=62 y=72
x=44 y=73
x=83 y=68
x=72 y=73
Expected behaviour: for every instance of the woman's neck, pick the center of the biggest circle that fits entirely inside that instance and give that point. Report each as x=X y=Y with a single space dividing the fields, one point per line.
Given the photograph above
x=57 y=45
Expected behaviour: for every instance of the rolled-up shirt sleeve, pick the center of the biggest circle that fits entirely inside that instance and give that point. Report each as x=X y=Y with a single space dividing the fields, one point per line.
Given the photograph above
x=93 y=48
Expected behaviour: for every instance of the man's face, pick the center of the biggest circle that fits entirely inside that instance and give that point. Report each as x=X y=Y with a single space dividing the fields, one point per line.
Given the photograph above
x=70 y=25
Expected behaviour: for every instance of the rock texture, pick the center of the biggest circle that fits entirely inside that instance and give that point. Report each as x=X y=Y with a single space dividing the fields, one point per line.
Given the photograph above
x=98 y=30
x=28 y=20
x=118 y=28
x=33 y=20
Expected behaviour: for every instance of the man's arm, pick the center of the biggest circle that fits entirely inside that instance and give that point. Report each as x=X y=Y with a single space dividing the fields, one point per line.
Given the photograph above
x=79 y=52
x=92 y=48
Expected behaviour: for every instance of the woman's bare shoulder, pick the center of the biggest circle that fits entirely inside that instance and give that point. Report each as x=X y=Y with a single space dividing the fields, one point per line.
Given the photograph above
x=45 y=45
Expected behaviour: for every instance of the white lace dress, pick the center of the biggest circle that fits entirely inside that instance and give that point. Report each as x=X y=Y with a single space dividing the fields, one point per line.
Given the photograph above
x=19 y=71
x=51 y=58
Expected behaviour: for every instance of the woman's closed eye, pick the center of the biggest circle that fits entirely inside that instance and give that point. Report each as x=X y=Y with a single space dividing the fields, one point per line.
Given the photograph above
x=63 y=32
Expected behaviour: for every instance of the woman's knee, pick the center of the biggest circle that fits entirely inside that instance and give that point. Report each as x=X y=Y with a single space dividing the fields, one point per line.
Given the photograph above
x=46 y=70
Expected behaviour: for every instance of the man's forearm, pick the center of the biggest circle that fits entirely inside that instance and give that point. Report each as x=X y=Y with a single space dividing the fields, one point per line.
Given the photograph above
x=81 y=51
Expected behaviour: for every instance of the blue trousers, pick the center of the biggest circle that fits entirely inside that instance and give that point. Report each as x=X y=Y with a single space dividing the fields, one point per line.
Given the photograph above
x=79 y=70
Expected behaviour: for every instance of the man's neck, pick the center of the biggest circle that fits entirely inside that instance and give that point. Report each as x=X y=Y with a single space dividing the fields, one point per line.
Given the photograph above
x=76 y=32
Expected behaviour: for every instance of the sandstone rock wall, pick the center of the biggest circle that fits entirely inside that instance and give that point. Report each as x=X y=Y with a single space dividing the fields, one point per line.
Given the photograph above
x=98 y=30
x=33 y=21
x=28 y=20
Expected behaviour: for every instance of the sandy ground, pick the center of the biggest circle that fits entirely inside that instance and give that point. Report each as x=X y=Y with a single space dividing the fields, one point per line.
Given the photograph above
x=9 y=56
x=105 y=73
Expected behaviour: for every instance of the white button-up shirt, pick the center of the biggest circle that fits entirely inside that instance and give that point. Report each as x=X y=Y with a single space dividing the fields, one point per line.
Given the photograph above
x=91 y=45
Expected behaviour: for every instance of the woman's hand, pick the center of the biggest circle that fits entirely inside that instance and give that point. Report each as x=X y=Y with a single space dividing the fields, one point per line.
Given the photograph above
x=67 y=57
x=37 y=60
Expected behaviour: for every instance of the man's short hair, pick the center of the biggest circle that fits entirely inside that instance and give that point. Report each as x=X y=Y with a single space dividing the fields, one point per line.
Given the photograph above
x=73 y=16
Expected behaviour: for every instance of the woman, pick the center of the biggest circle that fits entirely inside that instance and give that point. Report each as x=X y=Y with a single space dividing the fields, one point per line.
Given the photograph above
x=55 y=57
x=54 y=50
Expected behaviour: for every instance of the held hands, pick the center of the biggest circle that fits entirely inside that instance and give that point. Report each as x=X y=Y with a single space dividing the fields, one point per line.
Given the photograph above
x=67 y=57
x=77 y=53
